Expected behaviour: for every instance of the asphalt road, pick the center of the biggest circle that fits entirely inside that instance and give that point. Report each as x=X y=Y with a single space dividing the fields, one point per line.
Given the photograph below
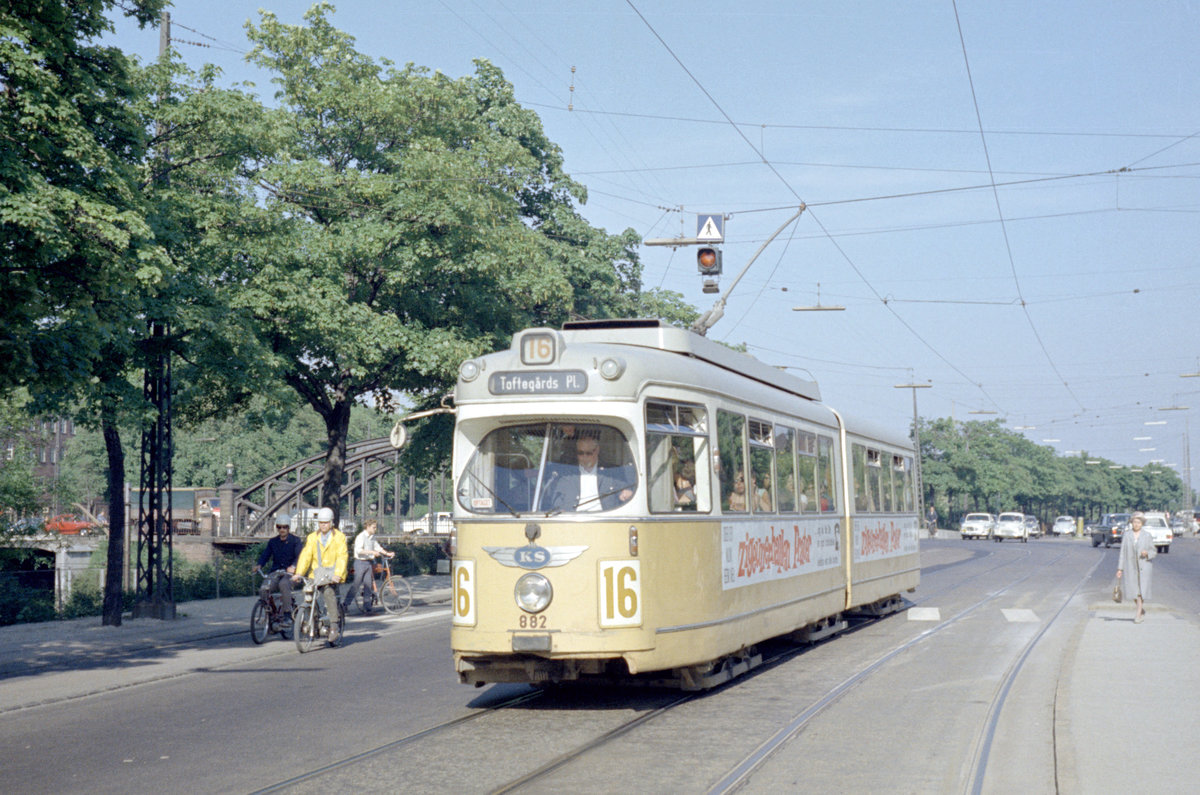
x=962 y=692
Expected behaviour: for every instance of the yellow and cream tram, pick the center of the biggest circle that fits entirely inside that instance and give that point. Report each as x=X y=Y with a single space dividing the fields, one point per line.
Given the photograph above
x=635 y=500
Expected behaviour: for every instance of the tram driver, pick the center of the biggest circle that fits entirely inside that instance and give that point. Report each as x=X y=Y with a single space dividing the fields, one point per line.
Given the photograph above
x=590 y=487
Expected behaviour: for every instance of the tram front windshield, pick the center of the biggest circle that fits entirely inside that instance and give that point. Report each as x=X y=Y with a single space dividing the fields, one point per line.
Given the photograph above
x=549 y=468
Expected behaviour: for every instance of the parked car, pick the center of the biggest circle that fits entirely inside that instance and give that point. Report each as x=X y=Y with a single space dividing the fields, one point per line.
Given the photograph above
x=68 y=524
x=1011 y=524
x=977 y=525
x=1063 y=526
x=1033 y=526
x=1156 y=524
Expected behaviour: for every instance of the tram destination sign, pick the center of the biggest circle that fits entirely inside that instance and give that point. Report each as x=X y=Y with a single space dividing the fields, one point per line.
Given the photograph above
x=538 y=382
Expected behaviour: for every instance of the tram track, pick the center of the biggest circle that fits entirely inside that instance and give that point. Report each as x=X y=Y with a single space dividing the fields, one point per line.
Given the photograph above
x=394 y=745
x=740 y=774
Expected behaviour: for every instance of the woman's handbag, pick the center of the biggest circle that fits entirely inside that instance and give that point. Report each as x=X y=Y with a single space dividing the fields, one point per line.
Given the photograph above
x=1118 y=595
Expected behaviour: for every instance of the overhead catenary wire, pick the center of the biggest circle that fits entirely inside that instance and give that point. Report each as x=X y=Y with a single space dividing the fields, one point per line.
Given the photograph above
x=816 y=220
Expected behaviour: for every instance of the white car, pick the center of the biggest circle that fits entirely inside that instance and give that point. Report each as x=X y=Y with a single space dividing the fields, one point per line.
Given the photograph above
x=1011 y=524
x=1063 y=526
x=1158 y=526
x=977 y=525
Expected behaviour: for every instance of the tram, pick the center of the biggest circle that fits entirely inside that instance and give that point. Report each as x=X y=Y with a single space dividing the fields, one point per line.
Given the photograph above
x=637 y=502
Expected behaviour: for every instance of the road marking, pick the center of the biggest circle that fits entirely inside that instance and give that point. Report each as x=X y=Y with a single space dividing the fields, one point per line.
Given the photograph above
x=924 y=614
x=1016 y=616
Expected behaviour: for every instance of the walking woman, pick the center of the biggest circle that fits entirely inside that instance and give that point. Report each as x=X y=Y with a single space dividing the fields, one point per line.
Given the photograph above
x=1137 y=550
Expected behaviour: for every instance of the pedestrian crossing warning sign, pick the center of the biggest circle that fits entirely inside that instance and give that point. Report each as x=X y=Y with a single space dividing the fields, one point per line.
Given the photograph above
x=710 y=228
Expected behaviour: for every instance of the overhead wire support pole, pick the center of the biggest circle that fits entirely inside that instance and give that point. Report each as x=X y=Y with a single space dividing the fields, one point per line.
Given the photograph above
x=710 y=318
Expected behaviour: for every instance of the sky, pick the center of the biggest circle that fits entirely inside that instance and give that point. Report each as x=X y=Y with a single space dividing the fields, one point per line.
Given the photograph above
x=1003 y=196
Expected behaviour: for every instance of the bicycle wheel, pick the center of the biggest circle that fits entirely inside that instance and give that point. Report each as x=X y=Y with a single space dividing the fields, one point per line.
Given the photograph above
x=260 y=622
x=306 y=628
x=396 y=595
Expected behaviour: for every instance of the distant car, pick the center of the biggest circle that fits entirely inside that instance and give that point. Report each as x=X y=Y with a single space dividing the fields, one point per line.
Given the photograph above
x=1033 y=526
x=1109 y=529
x=29 y=526
x=1156 y=524
x=1063 y=526
x=68 y=524
x=1011 y=524
x=977 y=525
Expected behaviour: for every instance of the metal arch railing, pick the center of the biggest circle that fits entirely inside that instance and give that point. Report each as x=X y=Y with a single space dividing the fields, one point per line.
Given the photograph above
x=370 y=451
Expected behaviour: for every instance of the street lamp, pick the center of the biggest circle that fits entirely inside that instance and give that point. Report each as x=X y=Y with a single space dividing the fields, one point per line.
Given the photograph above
x=1187 y=454
x=819 y=306
x=917 y=442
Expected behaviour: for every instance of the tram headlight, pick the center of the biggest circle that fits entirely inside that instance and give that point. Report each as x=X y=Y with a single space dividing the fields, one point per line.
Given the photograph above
x=468 y=370
x=533 y=593
x=612 y=368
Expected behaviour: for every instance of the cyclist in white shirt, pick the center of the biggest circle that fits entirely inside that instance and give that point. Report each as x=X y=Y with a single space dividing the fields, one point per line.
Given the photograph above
x=366 y=550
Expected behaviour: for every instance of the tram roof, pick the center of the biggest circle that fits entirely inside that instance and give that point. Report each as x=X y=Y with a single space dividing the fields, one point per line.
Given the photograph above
x=657 y=335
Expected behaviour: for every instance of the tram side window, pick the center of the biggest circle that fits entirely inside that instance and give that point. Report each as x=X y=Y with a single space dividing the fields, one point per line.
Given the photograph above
x=904 y=483
x=829 y=498
x=676 y=439
x=785 y=468
x=806 y=449
x=762 y=465
x=866 y=479
x=887 y=499
x=731 y=441
x=874 y=480
x=858 y=457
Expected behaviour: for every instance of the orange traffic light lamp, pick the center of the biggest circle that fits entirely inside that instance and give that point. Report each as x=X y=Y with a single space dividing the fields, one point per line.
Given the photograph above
x=708 y=261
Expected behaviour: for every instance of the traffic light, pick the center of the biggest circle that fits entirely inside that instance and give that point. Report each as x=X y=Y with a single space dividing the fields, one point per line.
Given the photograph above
x=708 y=261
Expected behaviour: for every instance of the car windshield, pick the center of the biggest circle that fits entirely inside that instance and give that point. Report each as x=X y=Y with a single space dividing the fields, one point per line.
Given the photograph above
x=1155 y=521
x=549 y=468
x=977 y=517
x=1012 y=517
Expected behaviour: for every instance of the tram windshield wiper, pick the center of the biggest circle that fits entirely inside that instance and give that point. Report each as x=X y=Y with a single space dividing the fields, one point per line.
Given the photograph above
x=589 y=500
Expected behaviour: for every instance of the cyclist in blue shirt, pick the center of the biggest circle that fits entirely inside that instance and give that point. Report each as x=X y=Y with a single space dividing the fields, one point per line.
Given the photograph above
x=283 y=551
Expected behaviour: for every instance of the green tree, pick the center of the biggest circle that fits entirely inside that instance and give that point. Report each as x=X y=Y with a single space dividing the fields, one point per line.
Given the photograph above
x=414 y=221
x=78 y=252
x=18 y=488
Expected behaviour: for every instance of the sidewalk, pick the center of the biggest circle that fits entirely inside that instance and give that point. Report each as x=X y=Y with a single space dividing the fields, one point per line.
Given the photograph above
x=56 y=660
x=1126 y=715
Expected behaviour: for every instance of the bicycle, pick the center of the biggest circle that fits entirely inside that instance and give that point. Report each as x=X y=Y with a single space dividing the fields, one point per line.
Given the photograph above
x=312 y=620
x=267 y=616
x=392 y=591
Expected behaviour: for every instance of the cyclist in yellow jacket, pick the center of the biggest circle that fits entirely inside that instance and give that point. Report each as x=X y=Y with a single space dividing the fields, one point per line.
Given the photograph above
x=324 y=558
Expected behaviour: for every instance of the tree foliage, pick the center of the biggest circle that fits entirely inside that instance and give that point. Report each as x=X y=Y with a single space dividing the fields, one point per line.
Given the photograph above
x=409 y=221
x=982 y=466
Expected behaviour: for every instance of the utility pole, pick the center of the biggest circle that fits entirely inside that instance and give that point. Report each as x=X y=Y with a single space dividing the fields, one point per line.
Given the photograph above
x=155 y=567
x=919 y=484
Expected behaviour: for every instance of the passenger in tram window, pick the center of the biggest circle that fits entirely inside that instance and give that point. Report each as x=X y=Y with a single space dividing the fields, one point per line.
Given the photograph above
x=762 y=496
x=685 y=487
x=737 y=499
x=826 y=502
x=589 y=487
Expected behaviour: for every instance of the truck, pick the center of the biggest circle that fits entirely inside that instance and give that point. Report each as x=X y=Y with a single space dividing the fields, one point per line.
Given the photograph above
x=442 y=524
x=1109 y=529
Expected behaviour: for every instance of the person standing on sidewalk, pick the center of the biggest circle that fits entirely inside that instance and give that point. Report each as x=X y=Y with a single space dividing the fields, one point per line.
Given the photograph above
x=324 y=555
x=366 y=549
x=1137 y=550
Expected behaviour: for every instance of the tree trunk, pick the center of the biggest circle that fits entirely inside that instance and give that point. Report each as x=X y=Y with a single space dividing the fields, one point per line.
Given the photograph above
x=337 y=428
x=114 y=579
